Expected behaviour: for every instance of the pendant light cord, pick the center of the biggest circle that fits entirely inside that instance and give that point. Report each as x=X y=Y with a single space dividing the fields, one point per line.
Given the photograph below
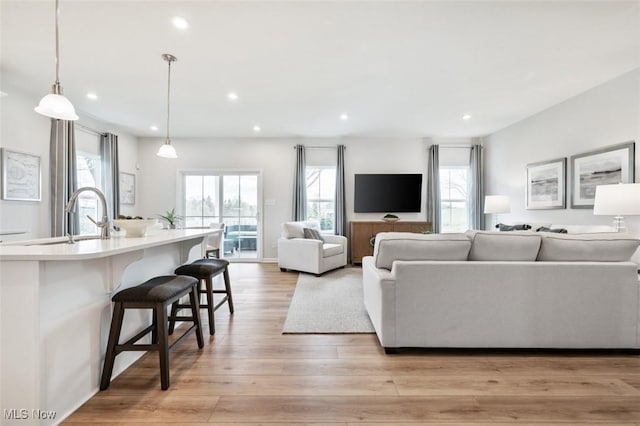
x=57 y=83
x=168 y=141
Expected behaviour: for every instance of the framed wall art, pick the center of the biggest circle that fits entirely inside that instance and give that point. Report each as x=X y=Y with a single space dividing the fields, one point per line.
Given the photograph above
x=546 y=185
x=127 y=188
x=610 y=165
x=21 y=178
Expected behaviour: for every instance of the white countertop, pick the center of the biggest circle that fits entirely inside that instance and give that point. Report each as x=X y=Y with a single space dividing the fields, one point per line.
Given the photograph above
x=93 y=249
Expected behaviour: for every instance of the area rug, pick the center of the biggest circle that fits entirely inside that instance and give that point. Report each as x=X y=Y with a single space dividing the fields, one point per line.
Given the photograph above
x=332 y=303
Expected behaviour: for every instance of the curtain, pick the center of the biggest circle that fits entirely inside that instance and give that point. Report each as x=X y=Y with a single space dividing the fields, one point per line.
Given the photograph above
x=433 y=189
x=476 y=186
x=62 y=152
x=300 y=186
x=110 y=173
x=340 y=202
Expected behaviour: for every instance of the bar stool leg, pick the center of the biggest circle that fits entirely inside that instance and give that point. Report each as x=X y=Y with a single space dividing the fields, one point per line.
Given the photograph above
x=114 y=337
x=163 y=343
x=210 y=304
x=172 y=320
x=227 y=286
x=195 y=313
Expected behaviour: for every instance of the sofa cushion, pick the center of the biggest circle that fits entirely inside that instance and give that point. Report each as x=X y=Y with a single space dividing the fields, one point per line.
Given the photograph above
x=296 y=229
x=519 y=227
x=507 y=246
x=596 y=247
x=312 y=234
x=391 y=246
x=555 y=230
x=330 y=249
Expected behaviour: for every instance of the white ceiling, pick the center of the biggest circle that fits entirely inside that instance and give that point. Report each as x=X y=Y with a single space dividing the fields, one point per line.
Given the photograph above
x=399 y=69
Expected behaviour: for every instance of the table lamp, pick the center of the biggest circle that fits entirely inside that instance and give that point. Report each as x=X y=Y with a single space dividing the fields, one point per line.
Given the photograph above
x=496 y=204
x=618 y=200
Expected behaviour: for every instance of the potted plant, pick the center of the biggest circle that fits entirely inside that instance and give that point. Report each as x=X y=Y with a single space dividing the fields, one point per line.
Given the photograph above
x=171 y=218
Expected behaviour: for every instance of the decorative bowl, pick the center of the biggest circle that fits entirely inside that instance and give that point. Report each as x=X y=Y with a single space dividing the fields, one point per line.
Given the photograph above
x=135 y=227
x=391 y=219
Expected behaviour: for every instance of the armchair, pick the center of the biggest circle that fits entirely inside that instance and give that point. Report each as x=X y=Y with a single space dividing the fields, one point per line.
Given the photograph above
x=309 y=255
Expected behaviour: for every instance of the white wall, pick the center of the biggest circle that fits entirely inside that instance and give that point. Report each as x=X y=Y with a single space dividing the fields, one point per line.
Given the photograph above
x=24 y=130
x=276 y=159
x=605 y=115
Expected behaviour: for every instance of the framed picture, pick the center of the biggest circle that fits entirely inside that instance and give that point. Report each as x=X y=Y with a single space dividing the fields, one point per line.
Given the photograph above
x=610 y=165
x=127 y=188
x=21 y=179
x=546 y=185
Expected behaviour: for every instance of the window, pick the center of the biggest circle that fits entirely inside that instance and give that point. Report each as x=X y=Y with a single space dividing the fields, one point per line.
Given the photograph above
x=201 y=204
x=454 y=202
x=88 y=173
x=321 y=195
x=231 y=199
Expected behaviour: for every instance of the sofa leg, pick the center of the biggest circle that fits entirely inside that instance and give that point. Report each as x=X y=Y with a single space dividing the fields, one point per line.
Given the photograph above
x=283 y=269
x=390 y=351
x=318 y=275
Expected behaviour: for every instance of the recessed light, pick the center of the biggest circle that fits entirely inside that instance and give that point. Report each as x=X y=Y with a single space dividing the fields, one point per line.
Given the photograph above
x=232 y=96
x=256 y=128
x=92 y=96
x=154 y=128
x=180 y=23
x=466 y=117
x=344 y=117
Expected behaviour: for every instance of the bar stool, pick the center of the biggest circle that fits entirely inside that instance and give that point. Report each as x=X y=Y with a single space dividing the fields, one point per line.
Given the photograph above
x=205 y=270
x=156 y=294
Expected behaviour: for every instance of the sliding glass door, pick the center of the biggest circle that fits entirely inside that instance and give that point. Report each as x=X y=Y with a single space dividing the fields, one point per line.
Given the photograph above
x=231 y=198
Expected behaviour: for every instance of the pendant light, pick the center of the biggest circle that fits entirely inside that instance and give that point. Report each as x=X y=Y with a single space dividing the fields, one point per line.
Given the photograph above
x=167 y=150
x=55 y=105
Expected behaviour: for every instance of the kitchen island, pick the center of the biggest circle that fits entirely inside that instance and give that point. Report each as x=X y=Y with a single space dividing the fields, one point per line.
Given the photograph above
x=55 y=312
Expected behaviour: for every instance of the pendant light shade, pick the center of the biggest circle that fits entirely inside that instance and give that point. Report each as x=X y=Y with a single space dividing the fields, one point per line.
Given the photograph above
x=55 y=105
x=167 y=150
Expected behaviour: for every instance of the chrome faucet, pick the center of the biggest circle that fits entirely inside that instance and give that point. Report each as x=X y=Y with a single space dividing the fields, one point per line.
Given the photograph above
x=104 y=223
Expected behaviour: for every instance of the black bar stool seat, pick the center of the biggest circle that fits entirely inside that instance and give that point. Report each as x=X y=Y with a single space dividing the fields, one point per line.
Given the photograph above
x=156 y=294
x=205 y=270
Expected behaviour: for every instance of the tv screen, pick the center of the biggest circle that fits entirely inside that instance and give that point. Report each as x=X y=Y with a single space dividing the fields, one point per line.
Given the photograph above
x=387 y=193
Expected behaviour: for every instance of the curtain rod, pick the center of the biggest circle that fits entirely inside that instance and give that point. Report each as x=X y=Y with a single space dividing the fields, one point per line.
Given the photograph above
x=89 y=129
x=319 y=147
x=454 y=146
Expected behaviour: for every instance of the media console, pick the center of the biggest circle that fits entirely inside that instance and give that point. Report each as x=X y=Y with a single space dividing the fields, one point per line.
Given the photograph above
x=363 y=233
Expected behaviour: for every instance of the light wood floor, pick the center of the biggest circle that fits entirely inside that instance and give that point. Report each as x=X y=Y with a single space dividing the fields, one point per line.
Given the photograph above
x=251 y=374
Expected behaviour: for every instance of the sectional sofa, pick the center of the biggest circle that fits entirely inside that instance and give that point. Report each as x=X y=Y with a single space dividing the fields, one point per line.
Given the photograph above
x=503 y=290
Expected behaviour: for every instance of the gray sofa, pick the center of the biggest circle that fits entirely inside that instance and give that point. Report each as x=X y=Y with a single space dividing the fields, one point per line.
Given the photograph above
x=503 y=290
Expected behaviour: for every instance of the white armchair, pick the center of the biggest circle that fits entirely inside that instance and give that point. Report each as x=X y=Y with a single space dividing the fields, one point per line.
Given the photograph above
x=310 y=255
x=214 y=240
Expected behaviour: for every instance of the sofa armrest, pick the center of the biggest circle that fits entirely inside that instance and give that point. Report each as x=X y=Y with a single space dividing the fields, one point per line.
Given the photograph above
x=299 y=253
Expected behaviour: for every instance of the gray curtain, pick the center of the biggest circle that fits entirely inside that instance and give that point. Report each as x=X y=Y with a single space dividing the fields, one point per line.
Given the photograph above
x=476 y=188
x=62 y=153
x=110 y=173
x=433 y=189
x=340 y=205
x=300 y=186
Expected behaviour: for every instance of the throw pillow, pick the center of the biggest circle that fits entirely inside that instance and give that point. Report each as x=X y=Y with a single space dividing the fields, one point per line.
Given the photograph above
x=312 y=234
x=522 y=227
x=556 y=230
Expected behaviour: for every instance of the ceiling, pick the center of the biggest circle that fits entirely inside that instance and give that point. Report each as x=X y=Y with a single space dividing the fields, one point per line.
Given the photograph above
x=398 y=69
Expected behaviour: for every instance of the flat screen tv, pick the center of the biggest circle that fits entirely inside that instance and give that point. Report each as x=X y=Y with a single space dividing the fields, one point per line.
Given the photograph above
x=387 y=193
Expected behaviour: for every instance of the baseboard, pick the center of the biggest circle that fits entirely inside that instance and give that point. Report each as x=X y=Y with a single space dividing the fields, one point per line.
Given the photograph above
x=269 y=260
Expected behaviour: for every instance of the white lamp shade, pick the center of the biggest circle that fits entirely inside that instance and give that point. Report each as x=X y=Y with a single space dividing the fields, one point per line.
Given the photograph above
x=497 y=204
x=617 y=200
x=167 y=151
x=56 y=106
